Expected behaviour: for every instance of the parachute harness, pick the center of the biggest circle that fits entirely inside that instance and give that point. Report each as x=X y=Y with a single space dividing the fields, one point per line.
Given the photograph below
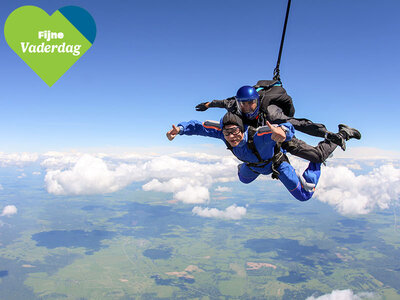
x=278 y=157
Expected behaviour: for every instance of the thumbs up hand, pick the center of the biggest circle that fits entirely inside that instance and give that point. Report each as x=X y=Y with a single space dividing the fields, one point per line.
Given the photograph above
x=278 y=134
x=173 y=132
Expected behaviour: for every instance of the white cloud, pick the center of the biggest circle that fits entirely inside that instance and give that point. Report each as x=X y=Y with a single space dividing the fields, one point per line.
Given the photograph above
x=17 y=159
x=193 y=194
x=1 y=187
x=344 y=295
x=222 y=189
x=197 y=155
x=367 y=153
x=36 y=173
x=190 y=176
x=352 y=194
x=232 y=212
x=354 y=166
x=188 y=181
x=21 y=176
x=57 y=160
x=9 y=210
x=184 y=189
x=89 y=175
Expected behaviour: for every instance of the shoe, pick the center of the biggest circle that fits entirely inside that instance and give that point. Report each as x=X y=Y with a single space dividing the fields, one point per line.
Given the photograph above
x=345 y=133
x=338 y=139
x=348 y=132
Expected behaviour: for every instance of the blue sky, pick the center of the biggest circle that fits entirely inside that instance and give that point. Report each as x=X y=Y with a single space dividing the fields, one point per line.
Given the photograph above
x=153 y=61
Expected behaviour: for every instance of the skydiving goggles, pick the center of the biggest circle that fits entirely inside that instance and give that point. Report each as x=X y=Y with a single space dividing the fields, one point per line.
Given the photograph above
x=245 y=106
x=233 y=130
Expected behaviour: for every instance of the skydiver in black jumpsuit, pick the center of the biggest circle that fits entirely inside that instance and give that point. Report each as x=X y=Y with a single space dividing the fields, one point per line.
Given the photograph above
x=276 y=106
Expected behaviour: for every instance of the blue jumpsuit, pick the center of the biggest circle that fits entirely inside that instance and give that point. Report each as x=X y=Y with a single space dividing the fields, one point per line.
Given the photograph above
x=265 y=147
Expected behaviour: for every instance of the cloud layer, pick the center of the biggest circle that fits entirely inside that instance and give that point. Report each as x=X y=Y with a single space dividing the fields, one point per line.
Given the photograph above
x=344 y=295
x=89 y=175
x=351 y=194
x=189 y=177
x=232 y=212
x=17 y=159
x=189 y=181
x=222 y=189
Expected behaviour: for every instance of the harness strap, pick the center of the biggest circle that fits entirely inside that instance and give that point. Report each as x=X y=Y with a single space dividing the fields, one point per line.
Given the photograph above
x=278 y=157
x=250 y=142
x=266 y=84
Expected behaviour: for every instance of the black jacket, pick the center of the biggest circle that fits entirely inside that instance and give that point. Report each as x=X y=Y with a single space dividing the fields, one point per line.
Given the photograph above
x=269 y=95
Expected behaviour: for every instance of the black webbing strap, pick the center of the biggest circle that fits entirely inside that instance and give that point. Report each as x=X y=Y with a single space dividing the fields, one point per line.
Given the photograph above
x=276 y=70
x=278 y=158
x=250 y=142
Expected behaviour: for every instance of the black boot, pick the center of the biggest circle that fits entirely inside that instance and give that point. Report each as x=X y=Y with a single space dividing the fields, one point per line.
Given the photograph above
x=345 y=133
x=348 y=132
x=337 y=139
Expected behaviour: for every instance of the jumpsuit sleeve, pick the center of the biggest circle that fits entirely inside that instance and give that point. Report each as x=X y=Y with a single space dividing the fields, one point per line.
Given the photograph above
x=195 y=127
x=229 y=104
x=265 y=132
x=289 y=129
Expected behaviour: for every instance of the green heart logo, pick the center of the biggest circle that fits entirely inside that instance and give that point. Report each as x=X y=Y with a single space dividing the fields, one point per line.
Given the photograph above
x=50 y=45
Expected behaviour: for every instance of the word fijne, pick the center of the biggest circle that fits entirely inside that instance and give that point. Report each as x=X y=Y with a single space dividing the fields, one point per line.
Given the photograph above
x=48 y=35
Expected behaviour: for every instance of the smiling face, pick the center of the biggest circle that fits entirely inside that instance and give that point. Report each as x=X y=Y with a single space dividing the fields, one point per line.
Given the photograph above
x=233 y=134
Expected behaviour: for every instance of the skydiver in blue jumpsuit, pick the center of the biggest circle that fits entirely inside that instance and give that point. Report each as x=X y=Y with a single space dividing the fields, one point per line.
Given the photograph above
x=270 y=102
x=232 y=131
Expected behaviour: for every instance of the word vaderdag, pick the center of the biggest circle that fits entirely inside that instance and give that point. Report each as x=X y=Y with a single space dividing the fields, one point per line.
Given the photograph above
x=47 y=35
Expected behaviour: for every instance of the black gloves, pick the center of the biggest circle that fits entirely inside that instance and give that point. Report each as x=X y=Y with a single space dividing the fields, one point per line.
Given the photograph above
x=202 y=106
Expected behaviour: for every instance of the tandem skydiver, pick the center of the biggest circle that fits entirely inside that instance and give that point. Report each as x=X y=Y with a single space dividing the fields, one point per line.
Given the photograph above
x=258 y=151
x=272 y=103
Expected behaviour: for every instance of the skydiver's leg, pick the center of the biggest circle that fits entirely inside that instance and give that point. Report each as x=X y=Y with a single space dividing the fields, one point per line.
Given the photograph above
x=246 y=175
x=276 y=115
x=312 y=173
x=291 y=181
x=317 y=154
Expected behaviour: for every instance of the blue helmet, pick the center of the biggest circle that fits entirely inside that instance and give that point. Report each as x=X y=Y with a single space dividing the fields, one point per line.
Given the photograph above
x=244 y=94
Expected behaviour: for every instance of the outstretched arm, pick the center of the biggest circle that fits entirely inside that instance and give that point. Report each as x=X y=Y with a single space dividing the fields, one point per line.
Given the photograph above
x=208 y=128
x=229 y=104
